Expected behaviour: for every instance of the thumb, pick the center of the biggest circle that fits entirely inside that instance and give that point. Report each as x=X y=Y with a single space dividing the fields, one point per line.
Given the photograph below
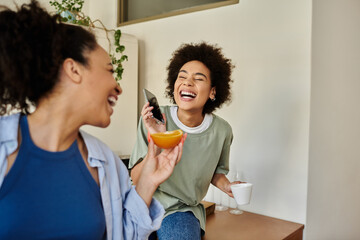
x=164 y=116
x=151 y=150
x=228 y=188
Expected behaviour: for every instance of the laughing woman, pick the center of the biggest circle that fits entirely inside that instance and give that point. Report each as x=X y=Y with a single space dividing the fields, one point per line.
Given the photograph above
x=57 y=182
x=199 y=78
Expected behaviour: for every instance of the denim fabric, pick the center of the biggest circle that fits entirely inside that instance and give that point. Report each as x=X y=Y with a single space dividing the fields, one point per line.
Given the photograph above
x=179 y=226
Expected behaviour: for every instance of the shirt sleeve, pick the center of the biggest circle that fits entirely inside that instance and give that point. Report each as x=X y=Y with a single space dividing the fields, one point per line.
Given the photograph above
x=223 y=165
x=139 y=220
x=141 y=146
x=8 y=140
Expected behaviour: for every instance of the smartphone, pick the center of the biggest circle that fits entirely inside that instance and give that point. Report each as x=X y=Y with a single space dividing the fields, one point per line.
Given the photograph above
x=149 y=97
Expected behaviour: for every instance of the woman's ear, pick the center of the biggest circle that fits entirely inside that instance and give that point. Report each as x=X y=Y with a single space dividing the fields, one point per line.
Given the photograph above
x=213 y=92
x=73 y=70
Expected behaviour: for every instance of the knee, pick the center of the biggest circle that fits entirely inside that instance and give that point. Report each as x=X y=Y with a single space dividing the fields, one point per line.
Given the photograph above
x=179 y=226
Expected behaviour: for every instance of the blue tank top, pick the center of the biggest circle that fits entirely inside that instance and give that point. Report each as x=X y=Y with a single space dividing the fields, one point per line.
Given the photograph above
x=49 y=195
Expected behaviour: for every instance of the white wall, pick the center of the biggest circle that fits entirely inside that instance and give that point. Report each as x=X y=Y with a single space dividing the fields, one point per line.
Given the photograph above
x=43 y=3
x=105 y=10
x=269 y=41
x=334 y=160
x=120 y=135
x=11 y=3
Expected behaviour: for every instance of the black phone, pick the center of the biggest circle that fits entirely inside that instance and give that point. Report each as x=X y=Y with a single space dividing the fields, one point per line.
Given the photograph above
x=154 y=103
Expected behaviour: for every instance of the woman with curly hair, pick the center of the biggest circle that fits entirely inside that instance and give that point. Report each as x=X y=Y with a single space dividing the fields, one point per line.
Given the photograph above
x=199 y=78
x=57 y=182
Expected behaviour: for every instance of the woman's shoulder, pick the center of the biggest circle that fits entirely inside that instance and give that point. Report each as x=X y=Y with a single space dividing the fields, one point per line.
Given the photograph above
x=9 y=119
x=9 y=126
x=8 y=138
x=96 y=147
x=221 y=123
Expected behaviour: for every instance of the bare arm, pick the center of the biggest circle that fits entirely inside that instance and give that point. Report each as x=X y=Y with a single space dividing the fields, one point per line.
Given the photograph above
x=135 y=171
x=151 y=126
x=157 y=165
x=220 y=181
x=155 y=169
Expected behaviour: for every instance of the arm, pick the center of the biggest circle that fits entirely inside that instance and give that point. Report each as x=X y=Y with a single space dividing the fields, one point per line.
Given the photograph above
x=155 y=169
x=156 y=166
x=220 y=181
x=143 y=214
x=135 y=172
x=138 y=219
x=151 y=126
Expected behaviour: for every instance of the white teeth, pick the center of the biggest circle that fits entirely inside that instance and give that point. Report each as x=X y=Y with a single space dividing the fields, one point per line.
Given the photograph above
x=187 y=94
x=112 y=100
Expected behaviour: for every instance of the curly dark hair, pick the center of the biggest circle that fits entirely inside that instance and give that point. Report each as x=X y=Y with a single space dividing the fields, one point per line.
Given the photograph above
x=212 y=57
x=33 y=46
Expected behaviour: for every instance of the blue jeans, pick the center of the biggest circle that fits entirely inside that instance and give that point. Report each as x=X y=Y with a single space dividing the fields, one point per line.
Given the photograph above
x=179 y=226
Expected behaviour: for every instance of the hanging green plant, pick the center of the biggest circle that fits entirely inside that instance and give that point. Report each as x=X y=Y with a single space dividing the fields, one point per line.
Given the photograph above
x=70 y=11
x=118 y=61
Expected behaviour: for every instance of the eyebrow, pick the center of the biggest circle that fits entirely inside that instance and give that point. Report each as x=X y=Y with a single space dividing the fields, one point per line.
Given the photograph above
x=198 y=73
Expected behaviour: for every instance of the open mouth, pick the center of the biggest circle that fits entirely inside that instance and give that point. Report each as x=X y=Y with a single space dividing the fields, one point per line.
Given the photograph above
x=187 y=94
x=112 y=100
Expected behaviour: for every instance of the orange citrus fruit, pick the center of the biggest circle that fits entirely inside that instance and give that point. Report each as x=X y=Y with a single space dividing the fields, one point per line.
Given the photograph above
x=168 y=139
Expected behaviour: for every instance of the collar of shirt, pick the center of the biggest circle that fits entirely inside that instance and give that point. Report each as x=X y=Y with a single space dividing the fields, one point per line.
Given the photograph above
x=9 y=132
x=95 y=151
x=199 y=129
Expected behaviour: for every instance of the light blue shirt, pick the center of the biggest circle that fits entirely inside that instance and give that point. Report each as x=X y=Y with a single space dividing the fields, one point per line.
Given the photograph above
x=126 y=214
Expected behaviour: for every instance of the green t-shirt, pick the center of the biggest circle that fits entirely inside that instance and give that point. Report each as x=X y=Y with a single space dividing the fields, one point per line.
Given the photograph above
x=203 y=155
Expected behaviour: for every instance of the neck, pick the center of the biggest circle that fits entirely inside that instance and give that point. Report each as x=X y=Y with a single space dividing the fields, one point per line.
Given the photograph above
x=190 y=118
x=53 y=127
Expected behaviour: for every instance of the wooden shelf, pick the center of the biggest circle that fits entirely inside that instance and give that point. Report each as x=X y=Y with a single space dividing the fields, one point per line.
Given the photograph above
x=250 y=226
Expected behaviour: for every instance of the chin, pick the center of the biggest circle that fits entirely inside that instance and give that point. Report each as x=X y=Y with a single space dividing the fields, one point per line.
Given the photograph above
x=185 y=106
x=103 y=123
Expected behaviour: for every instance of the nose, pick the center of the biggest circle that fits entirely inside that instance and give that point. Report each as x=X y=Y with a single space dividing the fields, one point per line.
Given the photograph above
x=118 y=89
x=188 y=81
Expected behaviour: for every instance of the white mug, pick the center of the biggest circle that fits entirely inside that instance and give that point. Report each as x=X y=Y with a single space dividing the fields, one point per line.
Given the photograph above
x=242 y=193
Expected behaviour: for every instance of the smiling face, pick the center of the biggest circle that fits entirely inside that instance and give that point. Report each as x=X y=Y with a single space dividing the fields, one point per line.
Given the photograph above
x=101 y=89
x=192 y=87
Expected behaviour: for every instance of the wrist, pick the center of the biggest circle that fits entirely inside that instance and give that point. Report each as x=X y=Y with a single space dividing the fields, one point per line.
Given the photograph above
x=146 y=190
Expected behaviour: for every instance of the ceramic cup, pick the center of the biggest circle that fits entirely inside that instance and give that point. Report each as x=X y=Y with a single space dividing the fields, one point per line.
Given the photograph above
x=242 y=193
